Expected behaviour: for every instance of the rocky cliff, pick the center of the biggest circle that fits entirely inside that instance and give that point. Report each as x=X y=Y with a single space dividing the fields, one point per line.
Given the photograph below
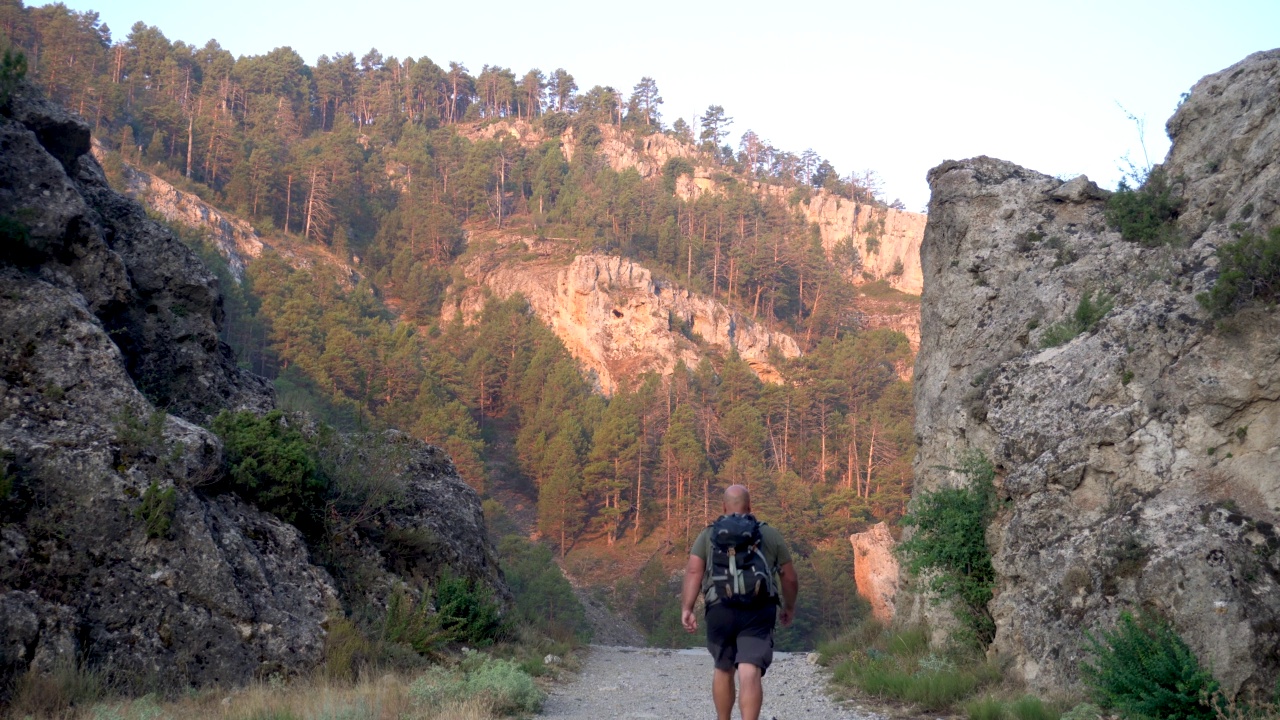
x=612 y=314
x=110 y=366
x=887 y=240
x=1137 y=461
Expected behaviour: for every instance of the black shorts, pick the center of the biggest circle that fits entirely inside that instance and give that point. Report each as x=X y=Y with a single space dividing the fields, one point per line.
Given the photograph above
x=741 y=635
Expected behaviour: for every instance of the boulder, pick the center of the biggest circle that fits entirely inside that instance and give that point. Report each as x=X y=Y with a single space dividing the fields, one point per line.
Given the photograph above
x=875 y=570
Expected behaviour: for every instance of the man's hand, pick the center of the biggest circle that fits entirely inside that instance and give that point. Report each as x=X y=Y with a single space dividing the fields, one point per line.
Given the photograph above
x=689 y=620
x=786 y=615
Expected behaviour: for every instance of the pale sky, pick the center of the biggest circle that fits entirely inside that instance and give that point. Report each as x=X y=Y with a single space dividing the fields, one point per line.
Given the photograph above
x=897 y=87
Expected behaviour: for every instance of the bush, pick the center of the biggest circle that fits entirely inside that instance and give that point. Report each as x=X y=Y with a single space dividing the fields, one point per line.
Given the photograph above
x=1248 y=271
x=500 y=683
x=468 y=611
x=1144 y=669
x=950 y=542
x=156 y=510
x=1088 y=312
x=544 y=598
x=273 y=466
x=414 y=624
x=1147 y=214
x=508 y=688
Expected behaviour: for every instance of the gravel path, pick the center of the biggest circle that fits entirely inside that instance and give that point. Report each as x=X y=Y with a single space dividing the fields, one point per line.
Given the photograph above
x=623 y=682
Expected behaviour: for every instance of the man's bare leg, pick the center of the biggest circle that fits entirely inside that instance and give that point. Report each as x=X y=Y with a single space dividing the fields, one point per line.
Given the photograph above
x=751 y=696
x=723 y=691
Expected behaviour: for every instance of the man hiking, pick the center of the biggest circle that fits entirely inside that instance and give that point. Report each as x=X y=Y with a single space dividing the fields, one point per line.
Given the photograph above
x=736 y=563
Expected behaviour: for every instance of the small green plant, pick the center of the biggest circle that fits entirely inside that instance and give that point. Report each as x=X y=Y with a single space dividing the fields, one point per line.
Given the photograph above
x=1126 y=377
x=414 y=623
x=346 y=649
x=1088 y=312
x=1248 y=272
x=985 y=708
x=1030 y=707
x=1143 y=668
x=156 y=510
x=138 y=435
x=1147 y=214
x=273 y=466
x=950 y=544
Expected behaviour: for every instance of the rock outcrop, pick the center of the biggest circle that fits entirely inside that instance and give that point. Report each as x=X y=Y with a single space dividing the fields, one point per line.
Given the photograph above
x=615 y=317
x=113 y=550
x=887 y=240
x=233 y=237
x=1136 y=461
x=875 y=570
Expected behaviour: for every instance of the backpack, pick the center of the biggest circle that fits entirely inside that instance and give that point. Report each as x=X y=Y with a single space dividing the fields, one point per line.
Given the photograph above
x=739 y=573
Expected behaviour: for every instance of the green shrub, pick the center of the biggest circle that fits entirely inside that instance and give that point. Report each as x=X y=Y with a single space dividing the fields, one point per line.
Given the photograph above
x=273 y=466
x=544 y=598
x=346 y=649
x=414 y=623
x=468 y=611
x=138 y=436
x=950 y=543
x=508 y=689
x=1248 y=271
x=1147 y=214
x=501 y=683
x=156 y=510
x=1143 y=668
x=1088 y=312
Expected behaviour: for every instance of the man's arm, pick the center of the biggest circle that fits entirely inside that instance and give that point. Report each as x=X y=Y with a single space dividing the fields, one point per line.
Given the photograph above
x=790 y=588
x=689 y=591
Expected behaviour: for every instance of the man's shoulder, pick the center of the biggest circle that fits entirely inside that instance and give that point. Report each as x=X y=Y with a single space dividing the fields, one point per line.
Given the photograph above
x=770 y=533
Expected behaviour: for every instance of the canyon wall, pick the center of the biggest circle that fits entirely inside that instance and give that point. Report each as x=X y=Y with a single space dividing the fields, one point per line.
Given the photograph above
x=612 y=314
x=1136 y=462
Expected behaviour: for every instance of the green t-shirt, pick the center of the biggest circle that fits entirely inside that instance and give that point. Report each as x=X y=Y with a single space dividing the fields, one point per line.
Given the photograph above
x=775 y=550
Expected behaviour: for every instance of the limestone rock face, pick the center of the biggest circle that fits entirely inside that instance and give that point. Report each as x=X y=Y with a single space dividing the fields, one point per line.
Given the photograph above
x=236 y=239
x=105 y=317
x=1137 y=461
x=875 y=570
x=888 y=240
x=617 y=319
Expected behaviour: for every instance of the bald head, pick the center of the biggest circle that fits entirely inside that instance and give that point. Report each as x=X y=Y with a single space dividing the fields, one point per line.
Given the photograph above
x=737 y=499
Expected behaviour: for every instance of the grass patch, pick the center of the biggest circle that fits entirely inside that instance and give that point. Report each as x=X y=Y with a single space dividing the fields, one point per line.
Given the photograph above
x=1088 y=312
x=898 y=665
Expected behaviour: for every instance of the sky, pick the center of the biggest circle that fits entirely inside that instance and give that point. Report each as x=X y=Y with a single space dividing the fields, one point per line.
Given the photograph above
x=894 y=87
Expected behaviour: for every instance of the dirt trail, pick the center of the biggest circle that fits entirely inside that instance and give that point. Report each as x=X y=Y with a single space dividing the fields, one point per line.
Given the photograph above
x=634 y=683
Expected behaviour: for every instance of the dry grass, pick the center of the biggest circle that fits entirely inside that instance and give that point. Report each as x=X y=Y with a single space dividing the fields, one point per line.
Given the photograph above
x=384 y=698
